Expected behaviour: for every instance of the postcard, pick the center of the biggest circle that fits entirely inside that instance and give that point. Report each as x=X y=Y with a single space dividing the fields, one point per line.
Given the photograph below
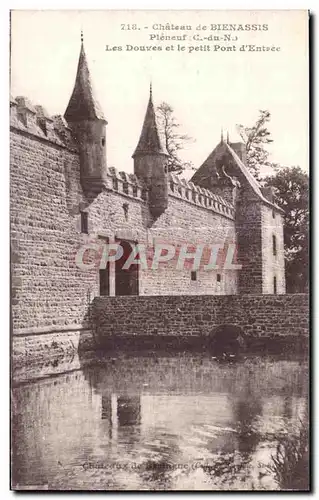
x=159 y=218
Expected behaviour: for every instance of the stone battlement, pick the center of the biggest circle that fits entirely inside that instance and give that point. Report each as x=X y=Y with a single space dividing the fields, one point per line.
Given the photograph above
x=130 y=185
x=127 y=184
x=188 y=191
x=35 y=120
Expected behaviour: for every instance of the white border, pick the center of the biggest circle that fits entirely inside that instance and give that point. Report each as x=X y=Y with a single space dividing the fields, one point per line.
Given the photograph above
x=4 y=184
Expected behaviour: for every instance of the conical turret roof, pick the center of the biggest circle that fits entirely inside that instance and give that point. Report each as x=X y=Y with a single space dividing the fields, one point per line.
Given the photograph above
x=83 y=105
x=150 y=141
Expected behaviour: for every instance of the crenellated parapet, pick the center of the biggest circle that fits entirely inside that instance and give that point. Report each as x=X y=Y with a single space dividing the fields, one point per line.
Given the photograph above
x=190 y=192
x=126 y=184
x=130 y=185
x=35 y=120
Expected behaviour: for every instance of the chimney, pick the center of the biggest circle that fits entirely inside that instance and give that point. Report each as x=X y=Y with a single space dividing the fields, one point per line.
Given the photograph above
x=240 y=150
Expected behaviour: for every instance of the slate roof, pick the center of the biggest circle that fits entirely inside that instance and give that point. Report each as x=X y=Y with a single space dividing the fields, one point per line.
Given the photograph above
x=150 y=141
x=205 y=170
x=83 y=105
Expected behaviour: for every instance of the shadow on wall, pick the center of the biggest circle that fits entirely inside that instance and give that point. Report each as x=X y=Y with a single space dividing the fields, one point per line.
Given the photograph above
x=227 y=340
x=88 y=336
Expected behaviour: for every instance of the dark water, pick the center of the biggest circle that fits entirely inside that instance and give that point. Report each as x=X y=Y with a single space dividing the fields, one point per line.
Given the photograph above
x=182 y=422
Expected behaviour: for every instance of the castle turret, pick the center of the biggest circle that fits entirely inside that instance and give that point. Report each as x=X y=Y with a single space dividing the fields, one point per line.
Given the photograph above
x=150 y=162
x=87 y=121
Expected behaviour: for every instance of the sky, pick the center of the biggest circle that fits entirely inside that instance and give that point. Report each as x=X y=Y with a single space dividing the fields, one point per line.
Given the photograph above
x=208 y=89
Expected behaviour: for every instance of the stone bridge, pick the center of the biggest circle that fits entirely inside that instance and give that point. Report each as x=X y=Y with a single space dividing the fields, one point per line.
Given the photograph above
x=185 y=320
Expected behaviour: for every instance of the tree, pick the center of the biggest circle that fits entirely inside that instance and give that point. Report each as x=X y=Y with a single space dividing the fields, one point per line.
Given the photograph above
x=291 y=189
x=256 y=138
x=174 y=141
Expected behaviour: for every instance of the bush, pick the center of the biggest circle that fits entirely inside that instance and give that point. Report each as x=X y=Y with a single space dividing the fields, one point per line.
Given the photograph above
x=290 y=464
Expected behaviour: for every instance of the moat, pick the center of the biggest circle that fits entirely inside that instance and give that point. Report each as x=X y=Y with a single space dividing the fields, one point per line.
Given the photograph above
x=156 y=422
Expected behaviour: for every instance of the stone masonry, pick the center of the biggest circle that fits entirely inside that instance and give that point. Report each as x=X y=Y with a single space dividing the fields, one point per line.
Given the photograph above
x=59 y=177
x=257 y=315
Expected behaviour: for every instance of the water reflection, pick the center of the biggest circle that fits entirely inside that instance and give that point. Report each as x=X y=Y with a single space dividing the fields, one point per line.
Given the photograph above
x=145 y=423
x=129 y=410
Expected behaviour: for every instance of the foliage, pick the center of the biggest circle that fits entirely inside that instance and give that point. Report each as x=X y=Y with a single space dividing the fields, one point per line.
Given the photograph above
x=290 y=463
x=291 y=191
x=256 y=138
x=174 y=140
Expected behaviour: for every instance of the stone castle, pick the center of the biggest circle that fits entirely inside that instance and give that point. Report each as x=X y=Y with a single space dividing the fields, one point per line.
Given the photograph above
x=64 y=196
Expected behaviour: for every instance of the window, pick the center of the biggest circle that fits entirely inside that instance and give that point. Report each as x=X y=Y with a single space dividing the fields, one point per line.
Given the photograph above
x=219 y=278
x=125 y=208
x=194 y=276
x=274 y=245
x=273 y=213
x=275 y=285
x=84 y=222
x=103 y=141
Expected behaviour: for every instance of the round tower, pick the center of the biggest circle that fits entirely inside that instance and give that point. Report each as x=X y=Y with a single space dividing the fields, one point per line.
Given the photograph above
x=150 y=162
x=86 y=119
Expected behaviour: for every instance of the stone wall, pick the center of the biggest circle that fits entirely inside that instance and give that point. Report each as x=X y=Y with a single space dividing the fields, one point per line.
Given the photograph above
x=166 y=322
x=48 y=288
x=273 y=263
x=185 y=316
x=50 y=348
x=249 y=231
